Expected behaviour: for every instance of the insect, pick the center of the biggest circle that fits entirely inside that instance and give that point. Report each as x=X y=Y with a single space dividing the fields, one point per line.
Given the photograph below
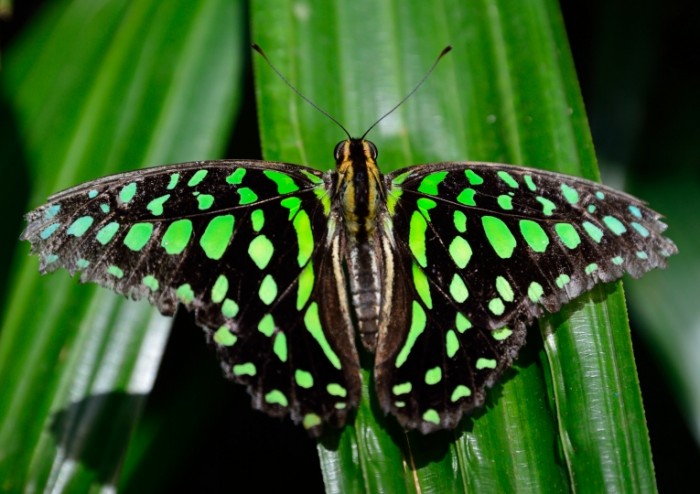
x=293 y=273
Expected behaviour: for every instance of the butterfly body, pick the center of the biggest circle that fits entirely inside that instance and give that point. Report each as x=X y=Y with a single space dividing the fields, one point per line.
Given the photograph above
x=436 y=269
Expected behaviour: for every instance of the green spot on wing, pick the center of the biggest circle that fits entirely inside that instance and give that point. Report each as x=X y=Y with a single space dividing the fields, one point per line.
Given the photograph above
x=486 y=363
x=496 y=306
x=615 y=225
x=418 y=321
x=128 y=192
x=305 y=237
x=197 y=177
x=219 y=290
x=313 y=326
x=49 y=230
x=291 y=203
x=246 y=369
x=304 y=379
x=185 y=293
x=416 y=238
x=499 y=236
x=151 y=282
x=460 y=221
x=336 y=389
x=229 y=308
x=451 y=343
x=52 y=211
x=80 y=226
x=402 y=389
x=280 y=346
x=420 y=282
x=431 y=415
x=313 y=178
x=473 y=177
x=640 y=229
x=311 y=420
x=593 y=231
x=177 y=236
x=534 y=235
x=458 y=289
x=460 y=251
x=548 y=206
x=260 y=251
x=268 y=290
x=635 y=211
x=156 y=205
x=285 y=183
x=216 y=236
x=535 y=291
x=568 y=235
x=306 y=285
x=433 y=376
x=462 y=322
x=267 y=325
x=138 y=236
x=204 y=201
x=257 y=219
x=115 y=271
x=501 y=334
x=276 y=397
x=505 y=202
x=569 y=193
x=429 y=184
x=224 y=337
x=504 y=289
x=236 y=177
x=247 y=195
x=466 y=197
x=174 y=178
x=562 y=280
x=460 y=391
x=107 y=232
x=530 y=184
x=508 y=179
x=425 y=205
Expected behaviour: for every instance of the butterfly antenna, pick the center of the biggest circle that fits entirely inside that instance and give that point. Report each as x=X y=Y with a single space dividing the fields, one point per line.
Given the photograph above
x=257 y=48
x=444 y=52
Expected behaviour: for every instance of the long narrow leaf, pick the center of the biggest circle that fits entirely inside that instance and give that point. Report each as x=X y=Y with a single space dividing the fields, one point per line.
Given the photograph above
x=94 y=88
x=507 y=93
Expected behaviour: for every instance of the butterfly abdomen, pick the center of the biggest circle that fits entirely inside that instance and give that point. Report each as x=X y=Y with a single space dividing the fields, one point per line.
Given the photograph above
x=360 y=192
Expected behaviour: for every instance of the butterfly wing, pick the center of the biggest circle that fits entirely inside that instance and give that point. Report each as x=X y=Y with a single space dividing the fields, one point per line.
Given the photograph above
x=487 y=248
x=242 y=244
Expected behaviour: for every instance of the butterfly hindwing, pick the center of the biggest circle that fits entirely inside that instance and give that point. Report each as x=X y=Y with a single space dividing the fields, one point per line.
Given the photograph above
x=242 y=244
x=484 y=249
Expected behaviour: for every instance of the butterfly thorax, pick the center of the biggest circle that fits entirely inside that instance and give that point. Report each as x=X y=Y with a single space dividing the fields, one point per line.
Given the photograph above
x=360 y=194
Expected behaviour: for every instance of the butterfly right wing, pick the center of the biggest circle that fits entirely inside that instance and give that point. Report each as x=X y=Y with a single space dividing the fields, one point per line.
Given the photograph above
x=245 y=245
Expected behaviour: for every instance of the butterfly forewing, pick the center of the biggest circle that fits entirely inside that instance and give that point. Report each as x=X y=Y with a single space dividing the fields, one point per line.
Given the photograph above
x=242 y=244
x=484 y=249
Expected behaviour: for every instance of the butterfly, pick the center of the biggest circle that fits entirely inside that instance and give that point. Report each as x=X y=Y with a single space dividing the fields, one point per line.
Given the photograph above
x=293 y=273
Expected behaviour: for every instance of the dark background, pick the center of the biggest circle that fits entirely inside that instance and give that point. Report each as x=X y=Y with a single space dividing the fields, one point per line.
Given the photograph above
x=638 y=66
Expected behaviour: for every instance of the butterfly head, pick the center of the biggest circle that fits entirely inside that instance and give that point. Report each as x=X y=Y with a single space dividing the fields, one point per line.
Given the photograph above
x=354 y=150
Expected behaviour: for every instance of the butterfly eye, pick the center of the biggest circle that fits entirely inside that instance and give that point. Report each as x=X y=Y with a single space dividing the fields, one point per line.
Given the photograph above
x=372 y=150
x=338 y=151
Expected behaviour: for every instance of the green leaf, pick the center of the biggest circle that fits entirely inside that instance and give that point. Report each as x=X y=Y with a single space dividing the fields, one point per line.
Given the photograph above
x=570 y=418
x=93 y=88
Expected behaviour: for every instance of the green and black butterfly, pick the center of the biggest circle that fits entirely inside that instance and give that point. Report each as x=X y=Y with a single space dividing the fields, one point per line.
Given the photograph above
x=436 y=269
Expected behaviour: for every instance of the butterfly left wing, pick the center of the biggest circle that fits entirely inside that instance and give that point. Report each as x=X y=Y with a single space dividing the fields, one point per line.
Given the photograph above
x=242 y=244
x=482 y=250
